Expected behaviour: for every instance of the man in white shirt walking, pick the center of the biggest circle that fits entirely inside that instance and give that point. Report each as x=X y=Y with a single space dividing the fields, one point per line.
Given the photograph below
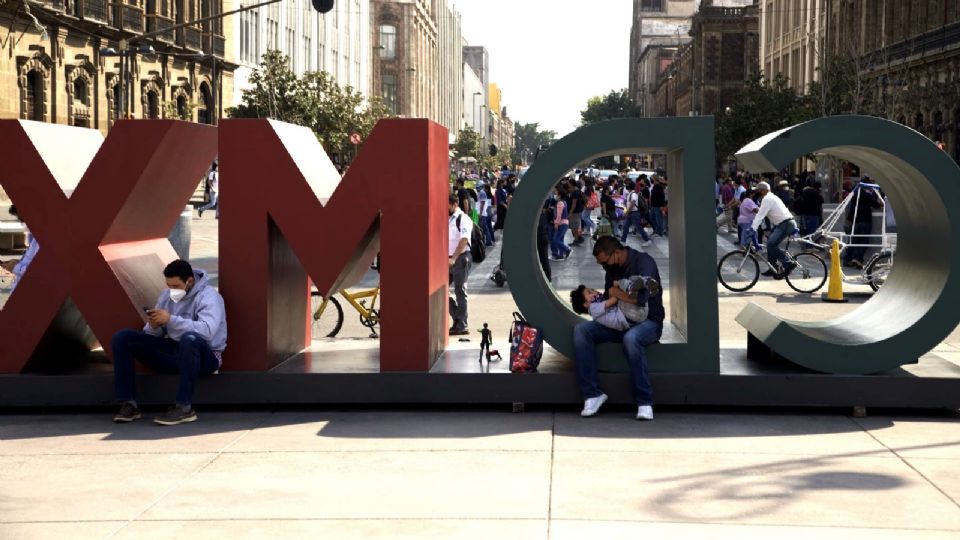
x=783 y=226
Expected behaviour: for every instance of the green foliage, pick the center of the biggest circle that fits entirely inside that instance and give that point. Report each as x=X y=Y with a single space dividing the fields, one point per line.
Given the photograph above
x=314 y=100
x=529 y=138
x=468 y=144
x=761 y=106
x=842 y=90
x=170 y=110
x=616 y=104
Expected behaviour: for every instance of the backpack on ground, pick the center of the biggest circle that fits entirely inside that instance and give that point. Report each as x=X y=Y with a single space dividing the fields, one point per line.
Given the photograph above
x=478 y=249
x=526 y=346
x=604 y=228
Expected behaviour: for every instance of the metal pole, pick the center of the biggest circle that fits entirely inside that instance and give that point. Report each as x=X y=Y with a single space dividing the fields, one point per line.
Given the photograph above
x=216 y=90
x=122 y=95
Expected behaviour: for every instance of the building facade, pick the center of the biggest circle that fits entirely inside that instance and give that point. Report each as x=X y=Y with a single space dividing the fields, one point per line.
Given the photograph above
x=417 y=63
x=791 y=38
x=474 y=100
x=908 y=54
x=337 y=42
x=500 y=130
x=711 y=70
x=663 y=24
x=477 y=60
x=59 y=68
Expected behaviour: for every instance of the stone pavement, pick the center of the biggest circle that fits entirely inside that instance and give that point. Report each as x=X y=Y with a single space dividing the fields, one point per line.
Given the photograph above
x=480 y=474
x=489 y=473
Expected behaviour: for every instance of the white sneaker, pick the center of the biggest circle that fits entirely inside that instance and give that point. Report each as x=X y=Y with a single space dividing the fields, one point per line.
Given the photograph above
x=645 y=412
x=592 y=405
x=645 y=243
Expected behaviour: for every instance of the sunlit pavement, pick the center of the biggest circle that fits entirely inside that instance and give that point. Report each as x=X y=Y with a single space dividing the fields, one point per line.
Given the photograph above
x=401 y=473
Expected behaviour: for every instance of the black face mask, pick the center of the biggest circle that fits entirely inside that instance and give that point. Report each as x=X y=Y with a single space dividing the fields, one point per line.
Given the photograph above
x=609 y=267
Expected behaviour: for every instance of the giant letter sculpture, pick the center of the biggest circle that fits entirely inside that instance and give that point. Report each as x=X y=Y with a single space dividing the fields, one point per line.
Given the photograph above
x=280 y=222
x=102 y=249
x=917 y=306
x=688 y=142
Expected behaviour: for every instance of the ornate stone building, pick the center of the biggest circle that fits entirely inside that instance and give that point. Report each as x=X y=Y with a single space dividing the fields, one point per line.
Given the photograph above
x=418 y=60
x=908 y=52
x=711 y=70
x=791 y=34
x=659 y=28
x=52 y=69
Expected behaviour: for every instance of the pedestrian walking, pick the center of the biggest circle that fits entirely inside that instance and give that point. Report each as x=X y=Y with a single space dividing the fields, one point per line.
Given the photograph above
x=213 y=184
x=459 y=228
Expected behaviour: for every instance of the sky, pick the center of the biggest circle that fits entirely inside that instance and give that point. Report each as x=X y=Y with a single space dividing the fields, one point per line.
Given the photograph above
x=550 y=56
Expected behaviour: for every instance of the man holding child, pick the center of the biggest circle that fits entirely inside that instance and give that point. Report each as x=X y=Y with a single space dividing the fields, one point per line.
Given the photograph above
x=620 y=263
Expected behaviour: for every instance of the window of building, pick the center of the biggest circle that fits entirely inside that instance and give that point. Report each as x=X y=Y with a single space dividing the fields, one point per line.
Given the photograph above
x=81 y=92
x=651 y=5
x=388 y=91
x=388 y=41
x=34 y=102
x=182 y=110
x=153 y=105
x=204 y=115
x=918 y=122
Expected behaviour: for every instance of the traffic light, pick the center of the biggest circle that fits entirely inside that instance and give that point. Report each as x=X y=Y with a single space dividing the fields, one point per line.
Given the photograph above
x=323 y=6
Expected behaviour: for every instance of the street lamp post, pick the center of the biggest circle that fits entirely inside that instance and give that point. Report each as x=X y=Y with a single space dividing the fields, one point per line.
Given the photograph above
x=475 y=96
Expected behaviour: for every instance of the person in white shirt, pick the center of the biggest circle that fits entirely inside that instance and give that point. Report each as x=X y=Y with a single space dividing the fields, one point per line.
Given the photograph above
x=213 y=182
x=460 y=227
x=783 y=226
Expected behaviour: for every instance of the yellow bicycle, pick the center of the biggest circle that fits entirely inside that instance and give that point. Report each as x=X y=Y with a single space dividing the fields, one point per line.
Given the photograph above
x=328 y=314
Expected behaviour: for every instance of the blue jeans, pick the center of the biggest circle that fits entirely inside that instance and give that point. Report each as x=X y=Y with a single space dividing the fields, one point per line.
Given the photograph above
x=586 y=221
x=656 y=220
x=557 y=245
x=780 y=233
x=486 y=225
x=633 y=218
x=214 y=203
x=748 y=235
x=587 y=335
x=190 y=357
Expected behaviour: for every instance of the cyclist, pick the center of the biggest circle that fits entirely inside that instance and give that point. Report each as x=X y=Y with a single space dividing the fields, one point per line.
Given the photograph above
x=783 y=226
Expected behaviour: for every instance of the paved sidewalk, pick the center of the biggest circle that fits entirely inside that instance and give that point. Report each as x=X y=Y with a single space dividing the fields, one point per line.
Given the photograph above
x=480 y=474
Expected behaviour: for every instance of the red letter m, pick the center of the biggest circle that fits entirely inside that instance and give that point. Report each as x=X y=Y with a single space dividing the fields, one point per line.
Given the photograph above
x=279 y=224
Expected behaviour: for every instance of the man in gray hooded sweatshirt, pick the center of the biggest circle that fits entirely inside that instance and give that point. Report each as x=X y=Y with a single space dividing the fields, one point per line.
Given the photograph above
x=185 y=334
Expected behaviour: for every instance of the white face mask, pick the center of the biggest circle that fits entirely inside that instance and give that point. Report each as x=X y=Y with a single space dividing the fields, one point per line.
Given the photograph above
x=177 y=295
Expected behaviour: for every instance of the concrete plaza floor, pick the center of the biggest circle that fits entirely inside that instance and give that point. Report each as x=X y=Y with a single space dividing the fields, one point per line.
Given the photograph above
x=427 y=473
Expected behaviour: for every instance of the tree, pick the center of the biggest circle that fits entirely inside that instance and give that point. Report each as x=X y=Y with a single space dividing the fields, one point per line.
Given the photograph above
x=616 y=104
x=314 y=100
x=468 y=144
x=529 y=138
x=761 y=107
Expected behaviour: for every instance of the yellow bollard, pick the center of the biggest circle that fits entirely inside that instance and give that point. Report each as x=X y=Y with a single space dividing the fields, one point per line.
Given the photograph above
x=835 y=288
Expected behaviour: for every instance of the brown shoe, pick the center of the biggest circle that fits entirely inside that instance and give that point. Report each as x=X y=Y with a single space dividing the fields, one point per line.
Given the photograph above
x=176 y=415
x=128 y=413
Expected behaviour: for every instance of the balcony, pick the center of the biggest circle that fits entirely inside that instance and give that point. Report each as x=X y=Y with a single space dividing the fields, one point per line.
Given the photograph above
x=191 y=38
x=214 y=44
x=157 y=23
x=95 y=10
x=128 y=17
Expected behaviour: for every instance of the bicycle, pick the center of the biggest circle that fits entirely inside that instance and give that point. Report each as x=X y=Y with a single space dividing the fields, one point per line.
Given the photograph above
x=327 y=318
x=739 y=270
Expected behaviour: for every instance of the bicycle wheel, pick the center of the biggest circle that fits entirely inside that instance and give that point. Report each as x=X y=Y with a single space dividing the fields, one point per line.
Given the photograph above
x=877 y=269
x=809 y=275
x=738 y=271
x=328 y=323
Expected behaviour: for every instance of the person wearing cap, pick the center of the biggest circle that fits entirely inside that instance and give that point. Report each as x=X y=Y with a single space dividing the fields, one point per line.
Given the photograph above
x=783 y=226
